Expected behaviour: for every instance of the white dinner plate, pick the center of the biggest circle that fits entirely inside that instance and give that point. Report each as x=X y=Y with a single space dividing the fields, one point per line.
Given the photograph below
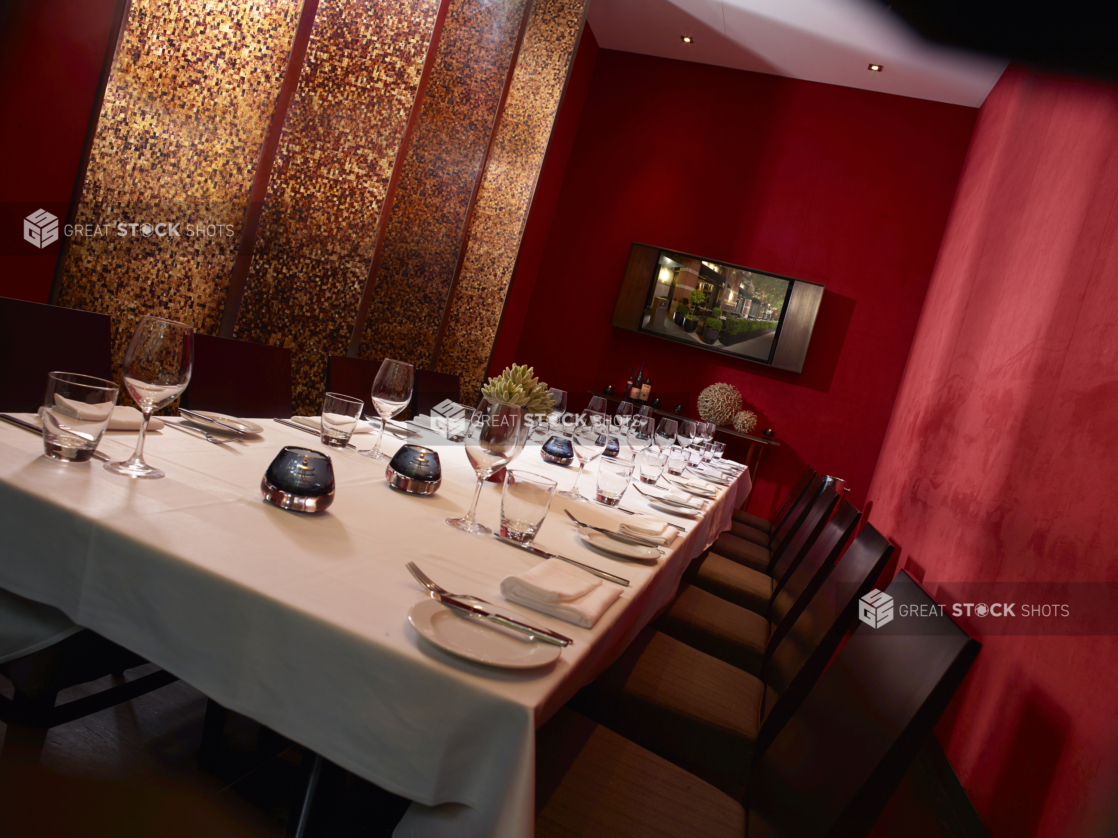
x=675 y=510
x=479 y=640
x=232 y=421
x=619 y=548
x=695 y=490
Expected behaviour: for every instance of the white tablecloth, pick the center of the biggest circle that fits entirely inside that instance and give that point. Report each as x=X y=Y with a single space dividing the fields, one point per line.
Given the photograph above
x=300 y=622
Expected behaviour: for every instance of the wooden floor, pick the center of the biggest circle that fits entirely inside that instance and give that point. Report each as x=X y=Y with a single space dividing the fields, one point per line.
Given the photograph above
x=132 y=770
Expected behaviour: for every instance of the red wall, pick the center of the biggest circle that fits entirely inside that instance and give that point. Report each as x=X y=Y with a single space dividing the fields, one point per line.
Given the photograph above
x=1003 y=442
x=51 y=55
x=844 y=187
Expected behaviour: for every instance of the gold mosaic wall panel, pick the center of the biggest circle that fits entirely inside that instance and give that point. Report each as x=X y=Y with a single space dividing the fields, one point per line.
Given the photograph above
x=493 y=241
x=336 y=153
x=189 y=99
x=426 y=229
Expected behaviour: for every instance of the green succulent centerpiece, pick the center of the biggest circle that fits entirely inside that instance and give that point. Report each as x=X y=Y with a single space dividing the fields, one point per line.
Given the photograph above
x=518 y=387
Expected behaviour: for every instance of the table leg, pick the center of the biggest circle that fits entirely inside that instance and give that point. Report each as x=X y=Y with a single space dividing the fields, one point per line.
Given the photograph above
x=297 y=821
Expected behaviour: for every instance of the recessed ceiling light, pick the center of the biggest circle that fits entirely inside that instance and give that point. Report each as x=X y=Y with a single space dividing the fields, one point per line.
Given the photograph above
x=876 y=68
x=686 y=39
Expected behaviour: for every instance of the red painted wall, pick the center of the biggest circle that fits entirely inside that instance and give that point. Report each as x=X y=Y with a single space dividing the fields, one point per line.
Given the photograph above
x=844 y=187
x=51 y=55
x=1003 y=441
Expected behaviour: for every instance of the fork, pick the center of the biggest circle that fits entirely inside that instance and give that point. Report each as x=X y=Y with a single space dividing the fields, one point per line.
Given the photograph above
x=431 y=585
x=215 y=440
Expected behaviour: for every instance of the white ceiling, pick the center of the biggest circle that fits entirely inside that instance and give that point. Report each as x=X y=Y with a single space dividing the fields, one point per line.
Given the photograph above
x=830 y=41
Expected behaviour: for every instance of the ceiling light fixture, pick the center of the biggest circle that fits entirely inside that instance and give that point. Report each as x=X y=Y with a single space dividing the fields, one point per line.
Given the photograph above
x=686 y=39
x=876 y=68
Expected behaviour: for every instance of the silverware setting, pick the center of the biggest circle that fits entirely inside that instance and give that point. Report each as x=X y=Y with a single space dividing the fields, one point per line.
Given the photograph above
x=708 y=477
x=620 y=536
x=391 y=428
x=35 y=429
x=198 y=433
x=620 y=580
x=631 y=512
x=305 y=429
x=669 y=501
x=190 y=414
x=457 y=601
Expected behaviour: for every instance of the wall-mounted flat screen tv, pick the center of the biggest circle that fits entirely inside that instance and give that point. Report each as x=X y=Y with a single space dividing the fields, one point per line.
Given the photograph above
x=714 y=305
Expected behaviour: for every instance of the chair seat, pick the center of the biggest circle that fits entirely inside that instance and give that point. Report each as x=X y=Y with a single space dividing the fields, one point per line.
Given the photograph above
x=735 y=582
x=685 y=705
x=743 y=552
x=750 y=533
x=594 y=783
x=716 y=626
x=753 y=521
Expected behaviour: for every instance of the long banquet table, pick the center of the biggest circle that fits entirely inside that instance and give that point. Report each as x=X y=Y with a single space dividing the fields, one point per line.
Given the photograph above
x=300 y=622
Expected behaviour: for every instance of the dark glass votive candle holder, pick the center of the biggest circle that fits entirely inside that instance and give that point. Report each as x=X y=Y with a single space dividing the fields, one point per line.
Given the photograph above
x=299 y=480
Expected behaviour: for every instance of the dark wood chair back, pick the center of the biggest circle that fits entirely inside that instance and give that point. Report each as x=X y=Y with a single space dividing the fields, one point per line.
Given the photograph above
x=36 y=339
x=240 y=378
x=797 y=659
x=805 y=580
x=805 y=537
x=833 y=767
x=433 y=387
x=793 y=496
x=794 y=519
x=352 y=377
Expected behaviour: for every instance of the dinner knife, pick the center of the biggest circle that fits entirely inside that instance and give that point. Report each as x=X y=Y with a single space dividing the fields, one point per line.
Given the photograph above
x=35 y=429
x=545 y=635
x=609 y=577
x=304 y=428
x=190 y=414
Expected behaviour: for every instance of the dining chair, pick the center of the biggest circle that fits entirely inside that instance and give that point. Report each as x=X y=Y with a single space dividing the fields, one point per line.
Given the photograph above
x=433 y=387
x=352 y=376
x=711 y=717
x=862 y=724
x=36 y=339
x=761 y=558
x=754 y=588
x=740 y=636
x=240 y=378
x=764 y=527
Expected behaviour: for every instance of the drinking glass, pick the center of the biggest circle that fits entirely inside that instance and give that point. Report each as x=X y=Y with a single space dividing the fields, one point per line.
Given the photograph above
x=598 y=404
x=677 y=459
x=588 y=438
x=524 y=504
x=686 y=432
x=495 y=437
x=650 y=464
x=339 y=419
x=156 y=369
x=717 y=449
x=613 y=480
x=646 y=410
x=392 y=389
x=708 y=454
x=547 y=425
x=665 y=433
x=639 y=434
x=695 y=454
x=75 y=413
x=623 y=416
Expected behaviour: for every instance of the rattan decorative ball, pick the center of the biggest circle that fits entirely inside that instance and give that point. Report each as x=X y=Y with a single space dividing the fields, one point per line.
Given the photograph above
x=745 y=421
x=718 y=403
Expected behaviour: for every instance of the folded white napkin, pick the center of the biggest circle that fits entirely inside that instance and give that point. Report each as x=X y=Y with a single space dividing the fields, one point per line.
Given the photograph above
x=315 y=422
x=561 y=590
x=123 y=418
x=647 y=526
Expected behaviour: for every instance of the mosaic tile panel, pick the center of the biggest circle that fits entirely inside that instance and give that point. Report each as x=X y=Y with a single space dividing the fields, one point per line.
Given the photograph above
x=187 y=106
x=336 y=154
x=497 y=224
x=426 y=229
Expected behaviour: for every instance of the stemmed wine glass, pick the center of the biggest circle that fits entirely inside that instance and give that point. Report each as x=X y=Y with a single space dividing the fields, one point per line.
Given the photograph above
x=494 y=438
x=550 y=423
x=665 y=433
x=598 y=404
x=392 y=389
x=157 y=367
x=639 y=433
x=686 y=433
x=706 y=431
x=589 y=437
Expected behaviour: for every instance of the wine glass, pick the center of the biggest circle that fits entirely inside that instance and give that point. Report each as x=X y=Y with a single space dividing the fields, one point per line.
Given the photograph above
x=392 y=389
x=588 y=436
x=686 y=433
x=706 y=430
x=544 y=426
x=495 y=437
x=156 y=369
x=623 y=416
x=598 y=404
x=665 y=433
x=639 y=433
